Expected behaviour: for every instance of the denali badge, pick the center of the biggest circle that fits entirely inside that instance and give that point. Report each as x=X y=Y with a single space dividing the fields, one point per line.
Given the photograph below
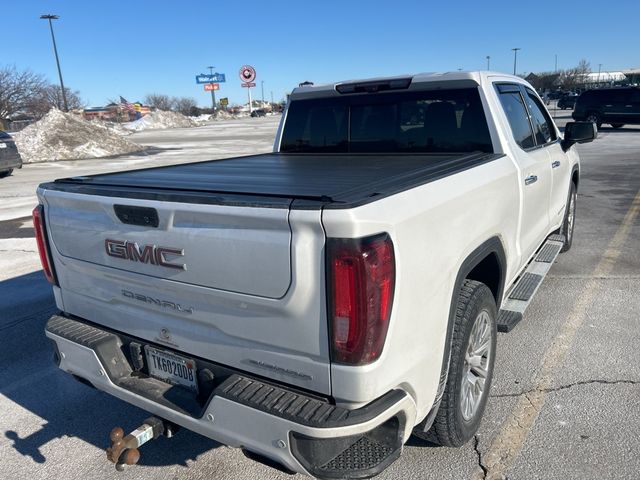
x=152 y=254
x=160 y=303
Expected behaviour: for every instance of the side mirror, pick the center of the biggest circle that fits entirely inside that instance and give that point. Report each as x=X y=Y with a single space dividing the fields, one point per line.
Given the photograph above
x=578 y=132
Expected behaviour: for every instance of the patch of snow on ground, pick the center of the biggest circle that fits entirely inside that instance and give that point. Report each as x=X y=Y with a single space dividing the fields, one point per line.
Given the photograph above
x=160 y=119
x=64 y=136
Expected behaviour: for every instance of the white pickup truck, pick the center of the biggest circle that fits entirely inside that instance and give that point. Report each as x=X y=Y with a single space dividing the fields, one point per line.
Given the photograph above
x=317 y=305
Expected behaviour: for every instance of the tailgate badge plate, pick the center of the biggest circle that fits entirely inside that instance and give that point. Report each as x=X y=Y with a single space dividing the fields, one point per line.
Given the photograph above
x=152 y=254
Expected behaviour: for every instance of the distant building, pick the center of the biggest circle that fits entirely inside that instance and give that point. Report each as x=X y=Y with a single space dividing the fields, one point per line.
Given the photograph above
x=595 y=79
x=633 y=75
x=100 y=113
x=117 y=112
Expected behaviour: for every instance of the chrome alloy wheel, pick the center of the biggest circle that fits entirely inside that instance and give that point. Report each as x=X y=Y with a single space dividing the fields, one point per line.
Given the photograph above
x=476 y=365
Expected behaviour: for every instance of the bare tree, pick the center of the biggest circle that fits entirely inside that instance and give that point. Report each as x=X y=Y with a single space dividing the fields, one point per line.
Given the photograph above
x=159 y=101
x=544 y=81
x=17 y=90
x=574 y=77
x=183 y=105
x=50 y=96
x=583 y=67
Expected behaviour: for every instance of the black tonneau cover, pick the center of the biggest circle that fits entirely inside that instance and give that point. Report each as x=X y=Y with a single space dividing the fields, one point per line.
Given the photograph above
x=274 y=179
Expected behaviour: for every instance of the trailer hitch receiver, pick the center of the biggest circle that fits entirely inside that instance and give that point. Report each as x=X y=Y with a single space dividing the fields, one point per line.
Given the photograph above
x=124 y=449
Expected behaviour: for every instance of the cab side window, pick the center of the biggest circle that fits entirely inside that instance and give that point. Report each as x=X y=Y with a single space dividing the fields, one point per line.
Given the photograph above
x=542 y=123
x=513 y=106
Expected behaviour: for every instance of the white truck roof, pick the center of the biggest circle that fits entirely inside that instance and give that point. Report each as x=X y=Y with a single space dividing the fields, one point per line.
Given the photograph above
x=419 y=81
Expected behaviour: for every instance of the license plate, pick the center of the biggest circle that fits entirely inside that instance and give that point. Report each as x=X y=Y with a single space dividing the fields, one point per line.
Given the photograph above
x=172 y=368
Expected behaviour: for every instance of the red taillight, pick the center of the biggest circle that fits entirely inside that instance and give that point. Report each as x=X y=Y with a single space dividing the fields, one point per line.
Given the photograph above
x=43 y=247
x=361 y=279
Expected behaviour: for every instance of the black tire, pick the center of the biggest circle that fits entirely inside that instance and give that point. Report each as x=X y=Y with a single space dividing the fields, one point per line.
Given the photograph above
x=617 y=125
x=568 y=223
x=6 y=173
x=450 y=428
x=594 y=117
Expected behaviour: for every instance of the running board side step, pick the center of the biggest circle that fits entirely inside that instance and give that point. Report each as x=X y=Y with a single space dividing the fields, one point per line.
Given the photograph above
x=521 y=294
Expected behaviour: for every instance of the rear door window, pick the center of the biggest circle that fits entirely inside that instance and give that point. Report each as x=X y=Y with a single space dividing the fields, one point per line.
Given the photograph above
x=513 y=106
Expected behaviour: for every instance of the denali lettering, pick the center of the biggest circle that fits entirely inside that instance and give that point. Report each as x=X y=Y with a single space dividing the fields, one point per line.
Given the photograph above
x=156 y=301
x=152 y=254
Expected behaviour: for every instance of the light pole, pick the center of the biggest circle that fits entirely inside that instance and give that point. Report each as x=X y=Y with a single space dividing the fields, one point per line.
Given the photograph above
x=515 y=59
x=556 y=64
x=271 y=96
x=213 y=92
x=488 y=62
x=599 y=67
x=262 y=87
x=55 y=51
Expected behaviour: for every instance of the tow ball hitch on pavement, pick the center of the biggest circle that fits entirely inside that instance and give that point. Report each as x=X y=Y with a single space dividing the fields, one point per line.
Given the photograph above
x=124 y=450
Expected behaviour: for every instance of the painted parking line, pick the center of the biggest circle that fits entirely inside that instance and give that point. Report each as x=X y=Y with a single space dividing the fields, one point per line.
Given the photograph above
x=507 y=445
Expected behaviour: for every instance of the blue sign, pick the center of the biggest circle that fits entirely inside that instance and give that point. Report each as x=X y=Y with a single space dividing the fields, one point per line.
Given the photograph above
x=211 y=78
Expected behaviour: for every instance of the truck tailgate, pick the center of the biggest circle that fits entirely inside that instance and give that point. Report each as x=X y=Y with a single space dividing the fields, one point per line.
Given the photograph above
x=239 y=249
x=238 y=285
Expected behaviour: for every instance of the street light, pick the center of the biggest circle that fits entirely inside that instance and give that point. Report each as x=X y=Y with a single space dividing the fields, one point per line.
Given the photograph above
x=599 y=68
x=488 y=62
x=213 y=93
x=55 y=51
x=515 y=59
x=262 y=86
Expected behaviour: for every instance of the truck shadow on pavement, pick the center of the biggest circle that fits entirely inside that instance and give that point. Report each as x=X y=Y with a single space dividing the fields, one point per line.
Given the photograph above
x=40 y=403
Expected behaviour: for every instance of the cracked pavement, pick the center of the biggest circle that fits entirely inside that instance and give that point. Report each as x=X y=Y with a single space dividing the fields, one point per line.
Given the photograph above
x=587 y=413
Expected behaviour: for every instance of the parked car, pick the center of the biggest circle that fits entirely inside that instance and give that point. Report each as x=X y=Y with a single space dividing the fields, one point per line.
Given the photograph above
x=9 y=156
x=615 y=106
x=567 y=101
x=318 y=305
x=556 y=95
x=259 y=113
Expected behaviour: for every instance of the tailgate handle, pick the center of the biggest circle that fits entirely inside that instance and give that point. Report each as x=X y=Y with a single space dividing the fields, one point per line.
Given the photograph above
x=132 y=215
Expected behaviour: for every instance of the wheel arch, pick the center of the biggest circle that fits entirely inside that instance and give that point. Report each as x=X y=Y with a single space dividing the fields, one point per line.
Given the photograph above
x=486 y=264
x=575 y=176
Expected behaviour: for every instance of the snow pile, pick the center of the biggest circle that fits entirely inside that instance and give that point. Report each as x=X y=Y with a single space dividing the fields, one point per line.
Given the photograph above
x=114 y=127
x=224 y=115
x=201 y=119
x=160 y=119
x=64 y=136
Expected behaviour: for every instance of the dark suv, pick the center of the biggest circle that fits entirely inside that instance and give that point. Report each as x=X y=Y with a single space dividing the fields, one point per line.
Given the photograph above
x=9 y=156
x=616 y=106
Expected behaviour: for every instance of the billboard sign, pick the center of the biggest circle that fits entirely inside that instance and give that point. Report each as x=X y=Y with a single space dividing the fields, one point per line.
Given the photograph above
x=211 y=78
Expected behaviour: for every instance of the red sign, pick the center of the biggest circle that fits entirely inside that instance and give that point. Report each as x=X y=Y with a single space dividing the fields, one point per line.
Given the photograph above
x=247 y=73
x=248 y=84
x=211 y=86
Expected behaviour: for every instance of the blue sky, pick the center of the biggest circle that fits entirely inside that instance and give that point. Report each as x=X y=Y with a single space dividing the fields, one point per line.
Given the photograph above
x=132 y=48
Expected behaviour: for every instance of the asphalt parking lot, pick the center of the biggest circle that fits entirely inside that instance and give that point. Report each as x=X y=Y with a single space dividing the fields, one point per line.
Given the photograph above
x=565 y=398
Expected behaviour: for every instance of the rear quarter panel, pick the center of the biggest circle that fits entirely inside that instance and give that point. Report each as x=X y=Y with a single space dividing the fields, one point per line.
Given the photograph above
x=434 y=227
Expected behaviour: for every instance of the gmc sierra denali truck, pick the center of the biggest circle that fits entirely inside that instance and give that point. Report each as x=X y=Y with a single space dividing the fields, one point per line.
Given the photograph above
x=317 y=305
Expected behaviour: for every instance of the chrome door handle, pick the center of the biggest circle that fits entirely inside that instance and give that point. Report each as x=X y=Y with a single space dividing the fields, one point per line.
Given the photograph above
x=530 y=179
x=555 y=164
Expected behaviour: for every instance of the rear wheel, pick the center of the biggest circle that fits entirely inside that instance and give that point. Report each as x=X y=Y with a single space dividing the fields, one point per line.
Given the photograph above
x=473 y=349
x=617 y=125
x=6 y=173
x=569 y=221
x=594 y=117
